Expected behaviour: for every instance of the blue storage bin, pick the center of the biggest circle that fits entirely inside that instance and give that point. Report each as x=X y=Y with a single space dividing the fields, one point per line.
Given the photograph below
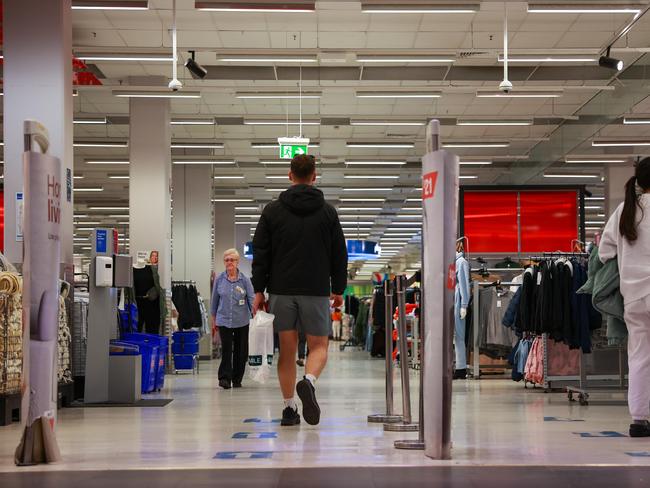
x=120 y=348
x=155 y=366
x=184 y=361
x=186 y=342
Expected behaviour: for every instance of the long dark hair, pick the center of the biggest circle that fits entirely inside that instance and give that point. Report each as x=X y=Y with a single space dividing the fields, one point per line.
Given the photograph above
x=628 y=223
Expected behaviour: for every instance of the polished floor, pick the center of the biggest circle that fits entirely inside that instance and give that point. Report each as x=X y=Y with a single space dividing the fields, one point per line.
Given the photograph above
x=496 y=423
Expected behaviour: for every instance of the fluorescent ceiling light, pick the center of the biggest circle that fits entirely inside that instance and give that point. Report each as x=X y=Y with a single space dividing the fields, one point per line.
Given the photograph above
x=367 y=189
x=201 y=161
x=593 y=207
x=228 y=177
x=274 y=189
x=606 y=143
x=281 y=122
x=405 y=59
x=209 y=121
x=353 y=224
x=275 y=145
x=468 y=177
x=108 y=208
x=197 y=145
x=375 y=163
x=386 y=123
x=110 y=161
x=398 y=94
x=78 y=177
x=355 y=217
x=549 y=59
x=363 y=199
x=90 y=120
x=270 y=59
x=221 y=200
x=594 y=222
x=101 y=144
x=277 y=96
x=593 y=160
x=418 y=8
x=111 y=5
x=267 y=7
x=475 y=144
x=595 y=199
x=372 y=177
x=518 y=94
x=88 y=189
x=283 y=177
x=255 y=209
x=636 y=120
x=477 y=163
x=413 y=199
x=125 y=58
x=546 y=175
x=576 y=8
x=156 y=94
x=494 y=122
x=119 y=177
x=355 y=209
x=380 y=145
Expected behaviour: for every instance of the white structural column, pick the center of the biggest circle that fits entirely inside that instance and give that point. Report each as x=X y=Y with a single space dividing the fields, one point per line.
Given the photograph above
x=37 y=84
x=615 y=178
x=192 y=225
x=150 y=182
x=224 y=232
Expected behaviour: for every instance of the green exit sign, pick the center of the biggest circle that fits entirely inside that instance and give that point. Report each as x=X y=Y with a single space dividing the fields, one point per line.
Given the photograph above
x=288 y=151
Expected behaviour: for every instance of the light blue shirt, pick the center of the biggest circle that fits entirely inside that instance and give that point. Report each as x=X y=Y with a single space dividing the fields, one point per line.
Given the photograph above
x=462 y=281
x=232 y=301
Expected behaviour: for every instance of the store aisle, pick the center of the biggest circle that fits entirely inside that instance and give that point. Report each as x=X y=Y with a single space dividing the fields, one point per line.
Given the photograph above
x=496 y=422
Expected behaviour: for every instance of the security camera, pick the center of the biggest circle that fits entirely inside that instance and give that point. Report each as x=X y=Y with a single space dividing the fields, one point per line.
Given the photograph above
x=195 y=68
x=175 y=85
x=505 y=86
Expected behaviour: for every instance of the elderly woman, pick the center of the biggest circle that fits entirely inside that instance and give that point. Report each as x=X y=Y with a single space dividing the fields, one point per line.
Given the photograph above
x=232 y=302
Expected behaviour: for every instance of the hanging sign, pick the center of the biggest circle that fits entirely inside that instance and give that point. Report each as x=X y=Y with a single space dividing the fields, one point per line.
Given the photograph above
x=101 y=240
x=293 y=146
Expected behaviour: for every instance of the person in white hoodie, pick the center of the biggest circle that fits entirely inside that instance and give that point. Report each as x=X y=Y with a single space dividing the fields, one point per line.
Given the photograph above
x=627 y=237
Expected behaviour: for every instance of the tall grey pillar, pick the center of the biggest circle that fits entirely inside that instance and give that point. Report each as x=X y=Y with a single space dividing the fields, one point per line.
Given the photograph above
x=192 y=225
x=224 y=232
x=37 y=84
x=615 y=178
x=149 y=186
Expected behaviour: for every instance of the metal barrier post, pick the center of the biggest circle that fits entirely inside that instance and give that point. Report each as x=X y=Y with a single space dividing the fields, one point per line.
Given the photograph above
x=389 y=416
x=406 y=425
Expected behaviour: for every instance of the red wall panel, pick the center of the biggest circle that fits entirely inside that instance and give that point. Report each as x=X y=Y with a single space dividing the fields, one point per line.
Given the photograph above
x=549 y=220
x=490 y=221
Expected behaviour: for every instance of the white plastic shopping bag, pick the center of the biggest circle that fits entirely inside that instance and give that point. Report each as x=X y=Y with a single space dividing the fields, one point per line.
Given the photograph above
x=260 y=347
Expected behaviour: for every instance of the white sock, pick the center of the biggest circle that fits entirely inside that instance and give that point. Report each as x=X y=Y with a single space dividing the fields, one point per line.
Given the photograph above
x=311 y=378
x=290 y=402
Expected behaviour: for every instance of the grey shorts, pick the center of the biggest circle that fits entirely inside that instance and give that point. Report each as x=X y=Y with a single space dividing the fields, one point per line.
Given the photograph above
x=309 y=315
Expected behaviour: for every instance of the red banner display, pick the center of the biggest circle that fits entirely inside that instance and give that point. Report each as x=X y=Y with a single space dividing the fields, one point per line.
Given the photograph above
x=490 y=221
x=548 y=220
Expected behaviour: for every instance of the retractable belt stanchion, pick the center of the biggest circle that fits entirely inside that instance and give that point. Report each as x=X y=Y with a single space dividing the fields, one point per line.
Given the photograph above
x=417 y=444
x=440 y=171
x=389 y=416
x=405 y=425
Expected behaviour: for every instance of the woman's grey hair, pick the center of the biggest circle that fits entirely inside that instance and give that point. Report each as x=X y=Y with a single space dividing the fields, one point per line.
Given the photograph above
x=231 y=252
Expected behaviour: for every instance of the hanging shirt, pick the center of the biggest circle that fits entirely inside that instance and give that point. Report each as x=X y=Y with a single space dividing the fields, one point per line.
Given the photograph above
x=232 y=301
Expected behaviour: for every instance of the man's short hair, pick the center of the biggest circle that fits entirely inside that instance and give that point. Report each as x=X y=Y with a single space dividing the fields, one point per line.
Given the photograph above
x=303 y=166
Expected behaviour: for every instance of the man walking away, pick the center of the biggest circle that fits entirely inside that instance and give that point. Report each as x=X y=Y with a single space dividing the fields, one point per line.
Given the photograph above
x=300 y=258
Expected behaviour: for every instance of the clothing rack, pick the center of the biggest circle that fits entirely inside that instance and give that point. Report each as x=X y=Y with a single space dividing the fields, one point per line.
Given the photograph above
x=476 y=363
x=183 y=282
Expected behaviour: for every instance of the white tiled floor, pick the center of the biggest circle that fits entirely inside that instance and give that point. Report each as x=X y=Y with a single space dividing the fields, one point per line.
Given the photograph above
x=496 y=422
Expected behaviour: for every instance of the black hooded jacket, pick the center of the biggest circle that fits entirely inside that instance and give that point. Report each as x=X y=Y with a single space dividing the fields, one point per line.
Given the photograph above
x=299 y=247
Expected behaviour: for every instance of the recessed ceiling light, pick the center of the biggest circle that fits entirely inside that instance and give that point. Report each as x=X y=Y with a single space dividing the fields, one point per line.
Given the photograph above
x=90 y=120
x=101 y=144
x=147 y=58
x=475 y=144
x=381 y=145
x=267 y=7
x=398 y=94
x=577 y=8
x=518 y=94
x=156 y=94
x=431 y=8
x=549 y=59
x=209 y=121
x=494 y=122
x=606 y=143
x=110 y=5
x=196 y=145
x=278 y=96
